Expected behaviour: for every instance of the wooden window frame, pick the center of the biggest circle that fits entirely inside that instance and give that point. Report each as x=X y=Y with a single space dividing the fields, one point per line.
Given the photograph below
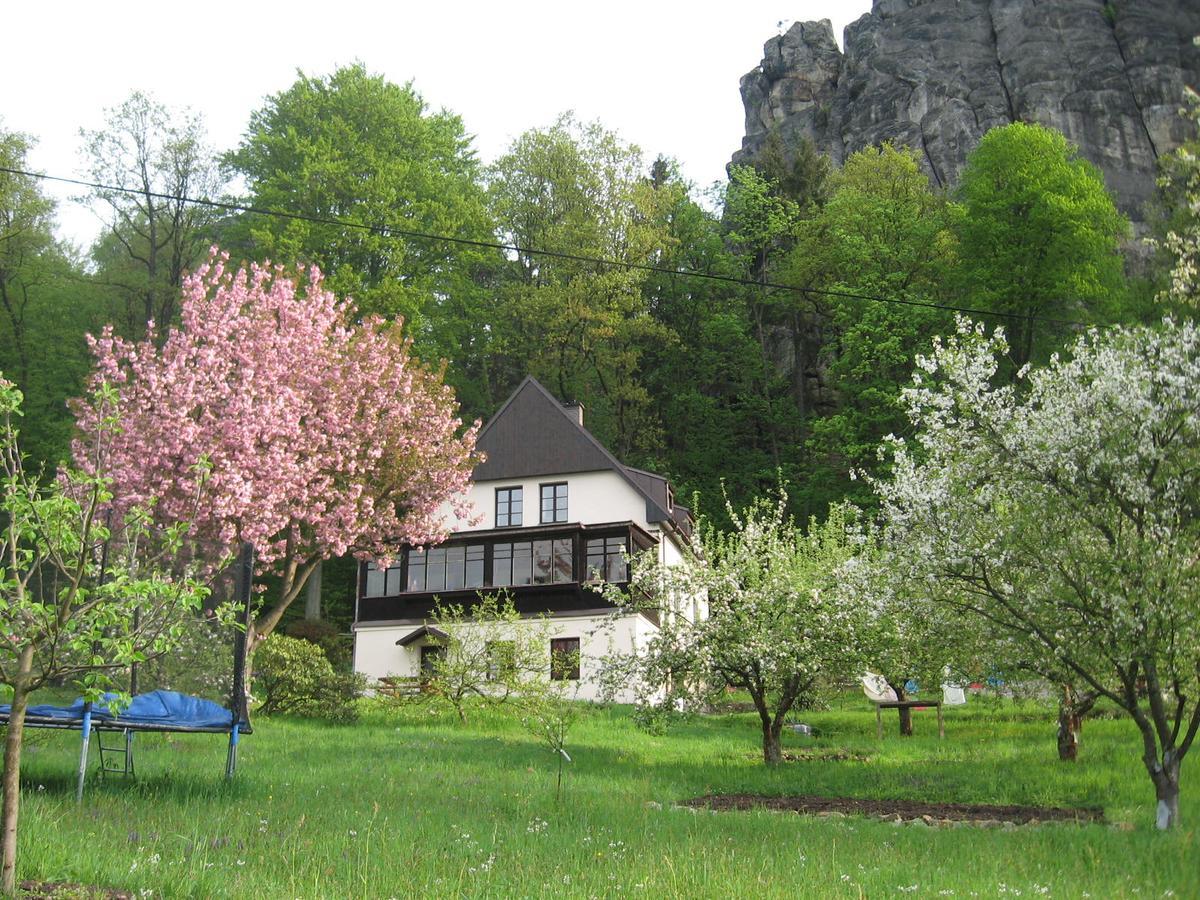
x=509 y=523
x=553 y=485
x=557 y=672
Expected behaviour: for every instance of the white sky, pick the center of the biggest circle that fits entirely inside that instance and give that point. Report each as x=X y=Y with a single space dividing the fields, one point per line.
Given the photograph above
x=664 y=75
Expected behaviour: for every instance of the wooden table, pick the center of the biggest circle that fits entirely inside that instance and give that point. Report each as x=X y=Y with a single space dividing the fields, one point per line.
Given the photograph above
x=907 y=704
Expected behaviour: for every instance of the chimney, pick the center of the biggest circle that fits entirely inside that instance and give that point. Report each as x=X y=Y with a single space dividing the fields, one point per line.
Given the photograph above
x=575 y=411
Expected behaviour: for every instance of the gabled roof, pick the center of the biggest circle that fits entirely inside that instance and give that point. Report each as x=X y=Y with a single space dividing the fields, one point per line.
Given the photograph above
x=424 y=631
x=534 y=435
x=659 y=489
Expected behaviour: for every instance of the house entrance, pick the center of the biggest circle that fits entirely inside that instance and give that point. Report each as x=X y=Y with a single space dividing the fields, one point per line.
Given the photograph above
x=430 y=654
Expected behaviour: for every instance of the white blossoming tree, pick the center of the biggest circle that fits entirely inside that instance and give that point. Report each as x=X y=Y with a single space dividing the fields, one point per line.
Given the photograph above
x=775 y=625
x=1062 y=511
x=1181 y=173
x=906 y=637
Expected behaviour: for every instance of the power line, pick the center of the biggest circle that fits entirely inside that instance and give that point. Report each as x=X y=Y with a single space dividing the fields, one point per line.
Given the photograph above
x=395 y=231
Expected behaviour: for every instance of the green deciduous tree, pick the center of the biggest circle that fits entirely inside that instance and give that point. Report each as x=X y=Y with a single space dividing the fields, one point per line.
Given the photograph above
x=354 y=147
x=68 y=611
x=705 y=384
x=26 y=247
x=883 y=233
x=46 y=306
x=579 y=190
x=150 y=159
x=1039 y=237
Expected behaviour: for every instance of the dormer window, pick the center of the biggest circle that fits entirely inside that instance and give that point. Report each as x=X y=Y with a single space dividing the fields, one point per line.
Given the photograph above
x=554 y=503
x=508 y=507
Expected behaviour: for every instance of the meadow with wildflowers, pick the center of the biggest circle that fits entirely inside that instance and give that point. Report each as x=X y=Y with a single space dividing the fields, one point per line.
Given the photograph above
x=410 y=802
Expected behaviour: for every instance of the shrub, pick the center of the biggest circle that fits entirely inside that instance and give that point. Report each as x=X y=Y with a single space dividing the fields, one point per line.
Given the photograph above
x=294 y=676
x=337 y=648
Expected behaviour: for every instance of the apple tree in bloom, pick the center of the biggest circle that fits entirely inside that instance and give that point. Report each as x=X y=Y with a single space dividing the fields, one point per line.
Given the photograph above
x=1180 y=181
x=1062 y=511
x=905 y=638
x=315 y=434
x=775 y=624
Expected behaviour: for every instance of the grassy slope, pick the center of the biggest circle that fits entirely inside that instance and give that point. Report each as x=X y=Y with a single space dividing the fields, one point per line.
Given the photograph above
x=408 y=804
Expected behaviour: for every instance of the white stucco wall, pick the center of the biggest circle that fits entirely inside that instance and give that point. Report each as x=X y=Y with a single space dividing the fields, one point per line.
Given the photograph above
x=592 y=498
x=376 y=654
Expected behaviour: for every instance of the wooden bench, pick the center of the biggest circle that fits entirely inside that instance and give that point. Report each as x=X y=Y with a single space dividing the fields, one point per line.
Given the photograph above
x=881 y=705
x=398 y=686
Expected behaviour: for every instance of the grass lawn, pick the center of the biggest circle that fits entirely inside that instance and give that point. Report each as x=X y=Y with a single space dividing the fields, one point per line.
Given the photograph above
x=406 y=803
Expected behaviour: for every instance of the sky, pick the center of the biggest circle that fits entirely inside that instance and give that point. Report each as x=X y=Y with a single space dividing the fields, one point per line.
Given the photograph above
x=663 y=75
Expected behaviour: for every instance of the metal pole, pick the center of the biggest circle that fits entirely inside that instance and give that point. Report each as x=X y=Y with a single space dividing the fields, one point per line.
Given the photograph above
x=83 y=752
x=245 y=578
x=231 y=759
x=129 y=753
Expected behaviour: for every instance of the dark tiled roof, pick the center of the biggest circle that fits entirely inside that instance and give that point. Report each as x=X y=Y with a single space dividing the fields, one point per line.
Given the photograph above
x=424 y=631
x=533 y=435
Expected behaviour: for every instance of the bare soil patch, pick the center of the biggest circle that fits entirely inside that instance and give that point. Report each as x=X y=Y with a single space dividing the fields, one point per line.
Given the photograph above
x=903 y=810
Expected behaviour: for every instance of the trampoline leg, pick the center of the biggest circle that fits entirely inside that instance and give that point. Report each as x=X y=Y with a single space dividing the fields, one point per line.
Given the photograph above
x=86 y=729
x=231 y=760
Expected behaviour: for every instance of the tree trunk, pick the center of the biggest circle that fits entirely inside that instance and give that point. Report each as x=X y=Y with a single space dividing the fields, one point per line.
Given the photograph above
x=294 y=581
x=312 y=596
x=1069 y=725
x=772 y=747
x=12 y=773
x=1072 y=707
x=1166 y=791
x=906 y=728
x=771 y=729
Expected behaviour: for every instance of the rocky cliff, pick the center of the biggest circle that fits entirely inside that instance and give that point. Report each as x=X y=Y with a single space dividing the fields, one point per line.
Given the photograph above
x=937 y=74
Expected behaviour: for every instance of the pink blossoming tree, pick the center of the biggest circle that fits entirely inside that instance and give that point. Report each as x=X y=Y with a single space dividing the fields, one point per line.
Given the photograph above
x=315 y=434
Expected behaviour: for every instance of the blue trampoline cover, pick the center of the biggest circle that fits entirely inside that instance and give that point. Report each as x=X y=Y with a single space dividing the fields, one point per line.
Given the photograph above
x=154 y=708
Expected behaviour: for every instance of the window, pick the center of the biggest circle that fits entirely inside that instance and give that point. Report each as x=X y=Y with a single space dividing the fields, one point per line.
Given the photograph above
x=512 y=564
x=450 y=568
x=554 y=502
x=508 y=507
x=382 y=582
x=416 y=570
x=606 y=560
x=552 y=561
x=474 y=574
x=564 y=659
x=501 y=659
x=516 y=563
x=435 y=569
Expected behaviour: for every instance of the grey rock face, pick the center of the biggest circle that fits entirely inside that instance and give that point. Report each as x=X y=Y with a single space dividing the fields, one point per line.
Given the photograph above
x=937 y=74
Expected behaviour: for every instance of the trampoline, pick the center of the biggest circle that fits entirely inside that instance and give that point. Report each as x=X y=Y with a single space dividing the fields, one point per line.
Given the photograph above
x=157 y=711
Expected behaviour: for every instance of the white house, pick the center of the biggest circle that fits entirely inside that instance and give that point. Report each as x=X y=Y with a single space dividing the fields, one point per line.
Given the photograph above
x=557 y=513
